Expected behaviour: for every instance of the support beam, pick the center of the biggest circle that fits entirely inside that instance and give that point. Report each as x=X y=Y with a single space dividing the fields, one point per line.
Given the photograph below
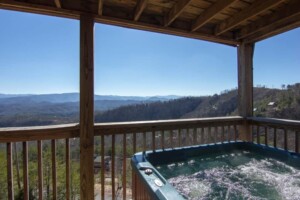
x=100 y=7
x=275 y=28
x=57 y=3
x=141 y=5
x=245 y=87
x=210 y=13
x=176 y=11
x=74 y=14
x=86 y=107
x=255 y=9
x=288 y=12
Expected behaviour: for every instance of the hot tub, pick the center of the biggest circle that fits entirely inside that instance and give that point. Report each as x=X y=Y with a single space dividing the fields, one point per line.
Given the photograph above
x=239 y=170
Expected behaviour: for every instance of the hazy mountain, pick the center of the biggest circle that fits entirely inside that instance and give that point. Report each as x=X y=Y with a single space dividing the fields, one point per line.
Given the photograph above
x=74 y=97
x=27 y=111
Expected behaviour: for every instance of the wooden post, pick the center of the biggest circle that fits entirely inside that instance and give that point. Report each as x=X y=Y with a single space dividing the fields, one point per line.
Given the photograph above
x=86 y=107
x=245 y=87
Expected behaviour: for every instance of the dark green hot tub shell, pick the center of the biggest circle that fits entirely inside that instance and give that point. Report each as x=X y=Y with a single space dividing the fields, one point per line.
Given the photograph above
x=158 y=187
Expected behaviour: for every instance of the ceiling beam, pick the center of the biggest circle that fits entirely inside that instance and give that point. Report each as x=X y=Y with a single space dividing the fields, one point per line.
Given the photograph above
x=141 y=5
x=57 y=3
x=74 y=14
x=290 y=10
x=100 y=7
x=176 y=11
x=256 y=8
x=275 y=29
x=210 y=13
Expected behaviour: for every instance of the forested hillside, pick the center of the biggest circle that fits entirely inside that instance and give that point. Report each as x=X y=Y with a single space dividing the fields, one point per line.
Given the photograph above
x=278 y=103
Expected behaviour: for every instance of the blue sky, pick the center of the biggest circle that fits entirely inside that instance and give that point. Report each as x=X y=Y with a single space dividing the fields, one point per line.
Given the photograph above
x=40 y=54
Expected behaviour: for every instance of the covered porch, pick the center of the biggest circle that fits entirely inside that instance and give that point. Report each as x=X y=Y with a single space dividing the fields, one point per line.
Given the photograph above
x=238 y=23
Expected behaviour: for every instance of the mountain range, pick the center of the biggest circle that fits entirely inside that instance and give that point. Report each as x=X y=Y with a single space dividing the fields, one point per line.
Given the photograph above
x=31 y=110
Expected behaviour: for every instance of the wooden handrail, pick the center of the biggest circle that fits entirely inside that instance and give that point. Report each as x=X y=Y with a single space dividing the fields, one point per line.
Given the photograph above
x=22 y=134
x=149 y=126
x=278 y=123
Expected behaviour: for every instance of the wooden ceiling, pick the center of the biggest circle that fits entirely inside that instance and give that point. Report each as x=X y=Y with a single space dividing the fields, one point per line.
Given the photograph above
x=223 y=21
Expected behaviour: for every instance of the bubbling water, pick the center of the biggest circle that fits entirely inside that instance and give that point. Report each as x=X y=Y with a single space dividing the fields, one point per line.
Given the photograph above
x=234 y=176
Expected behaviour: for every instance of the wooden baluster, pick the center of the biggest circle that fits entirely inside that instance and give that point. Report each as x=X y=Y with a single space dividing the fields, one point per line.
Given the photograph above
x=144 y=141
x=195 y=136
x=266 y=136
x=258 y=135
x=285 y=140
x=179 y=137
x=215 y=134
x=235 y=133
x=297 y=141
x=68 y=169
x=162 y=141
x=40 y=169
x=228 y=133
x=223 y=134
x=171 y=138
x=25 y=171
x=275 y=138
x=133 y=177
x=124 y=167
x=53 y=155
x=113 y=166
x=102 y=167
x=202 y=135
x=10 y=185
x=17 y=165
x=153 y=140
x=209 y=134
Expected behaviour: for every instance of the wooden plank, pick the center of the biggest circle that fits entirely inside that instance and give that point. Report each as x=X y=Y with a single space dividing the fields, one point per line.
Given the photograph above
x=275 y=29
x=179 y=138
x=153 y=141
x=290 y=10
x=176 y=11
x=149 y=126
x=171 y=138
x=223 y=134
x=74 y=14
x=102 y=167
x=245 y=87
x=255 y=9
x=25 y=171
x=68 y=197
x=144 y=141
x=266 y=136
x=100 y=7
x=228 y=134
x=140 y=6
x=10 y=176
x=275 y=138
x=195 y=136
x=53 y=159
x=209 y=13
x=124 y=167
x=86 y=107
x=113 y=188
x=285 y=139
x=258 y=135
x=297 y=139
x=17 y=166
x=162 y=141
x=57 y=3
x=40 y=168
x=275 y=123
x=22 y=134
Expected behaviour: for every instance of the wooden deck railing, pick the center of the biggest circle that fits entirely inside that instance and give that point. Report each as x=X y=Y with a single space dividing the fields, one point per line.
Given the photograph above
x=115 y=143
x=279 y=133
